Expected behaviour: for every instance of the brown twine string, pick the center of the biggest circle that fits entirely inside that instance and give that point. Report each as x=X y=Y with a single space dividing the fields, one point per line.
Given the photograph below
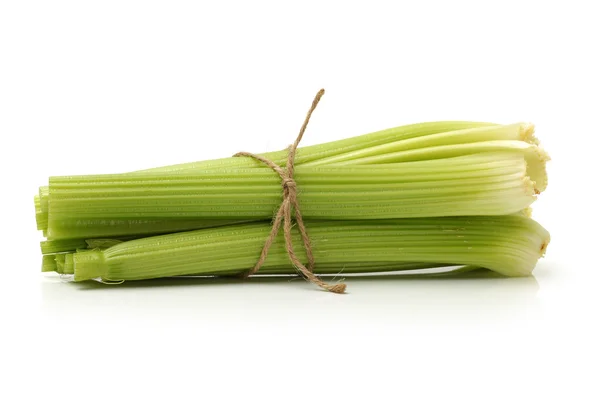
x=289 y=205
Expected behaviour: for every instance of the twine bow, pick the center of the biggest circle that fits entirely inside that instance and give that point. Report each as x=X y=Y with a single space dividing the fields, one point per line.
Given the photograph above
x=289 y=205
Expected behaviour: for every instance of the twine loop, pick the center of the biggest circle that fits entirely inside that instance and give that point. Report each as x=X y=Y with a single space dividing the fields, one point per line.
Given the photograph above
x=290 y=206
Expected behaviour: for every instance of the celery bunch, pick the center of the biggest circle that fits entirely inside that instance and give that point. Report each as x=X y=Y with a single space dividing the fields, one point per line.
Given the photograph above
x=416 y=196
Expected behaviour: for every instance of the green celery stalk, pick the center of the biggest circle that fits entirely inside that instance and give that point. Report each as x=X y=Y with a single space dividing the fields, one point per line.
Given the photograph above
x=510 y=245
x=116 y=227
x=480 y=184
x=317 y=152
x=124 y=215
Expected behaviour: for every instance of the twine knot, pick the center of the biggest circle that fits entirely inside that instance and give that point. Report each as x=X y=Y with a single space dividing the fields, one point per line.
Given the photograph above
x=288 y=184
x=290 y=205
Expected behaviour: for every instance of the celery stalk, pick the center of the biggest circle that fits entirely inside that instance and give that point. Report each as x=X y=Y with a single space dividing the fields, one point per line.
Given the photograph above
x=326 y=193
x=510 y=245
x=317 y=152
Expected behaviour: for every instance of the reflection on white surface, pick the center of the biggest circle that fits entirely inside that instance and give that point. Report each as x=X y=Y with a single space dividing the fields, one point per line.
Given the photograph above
x=477 y=297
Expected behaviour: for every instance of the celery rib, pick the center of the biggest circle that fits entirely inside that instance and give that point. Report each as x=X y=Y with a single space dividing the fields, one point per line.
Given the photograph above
x=197 y=252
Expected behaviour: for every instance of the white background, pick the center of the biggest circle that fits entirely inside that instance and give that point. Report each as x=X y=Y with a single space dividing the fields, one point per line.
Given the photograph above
x=114 y=86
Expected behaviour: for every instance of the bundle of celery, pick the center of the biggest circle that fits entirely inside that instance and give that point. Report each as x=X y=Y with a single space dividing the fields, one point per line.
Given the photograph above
x=417 y=196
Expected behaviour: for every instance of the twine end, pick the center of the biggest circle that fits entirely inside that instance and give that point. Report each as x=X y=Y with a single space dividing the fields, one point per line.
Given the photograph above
x=337 y=288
